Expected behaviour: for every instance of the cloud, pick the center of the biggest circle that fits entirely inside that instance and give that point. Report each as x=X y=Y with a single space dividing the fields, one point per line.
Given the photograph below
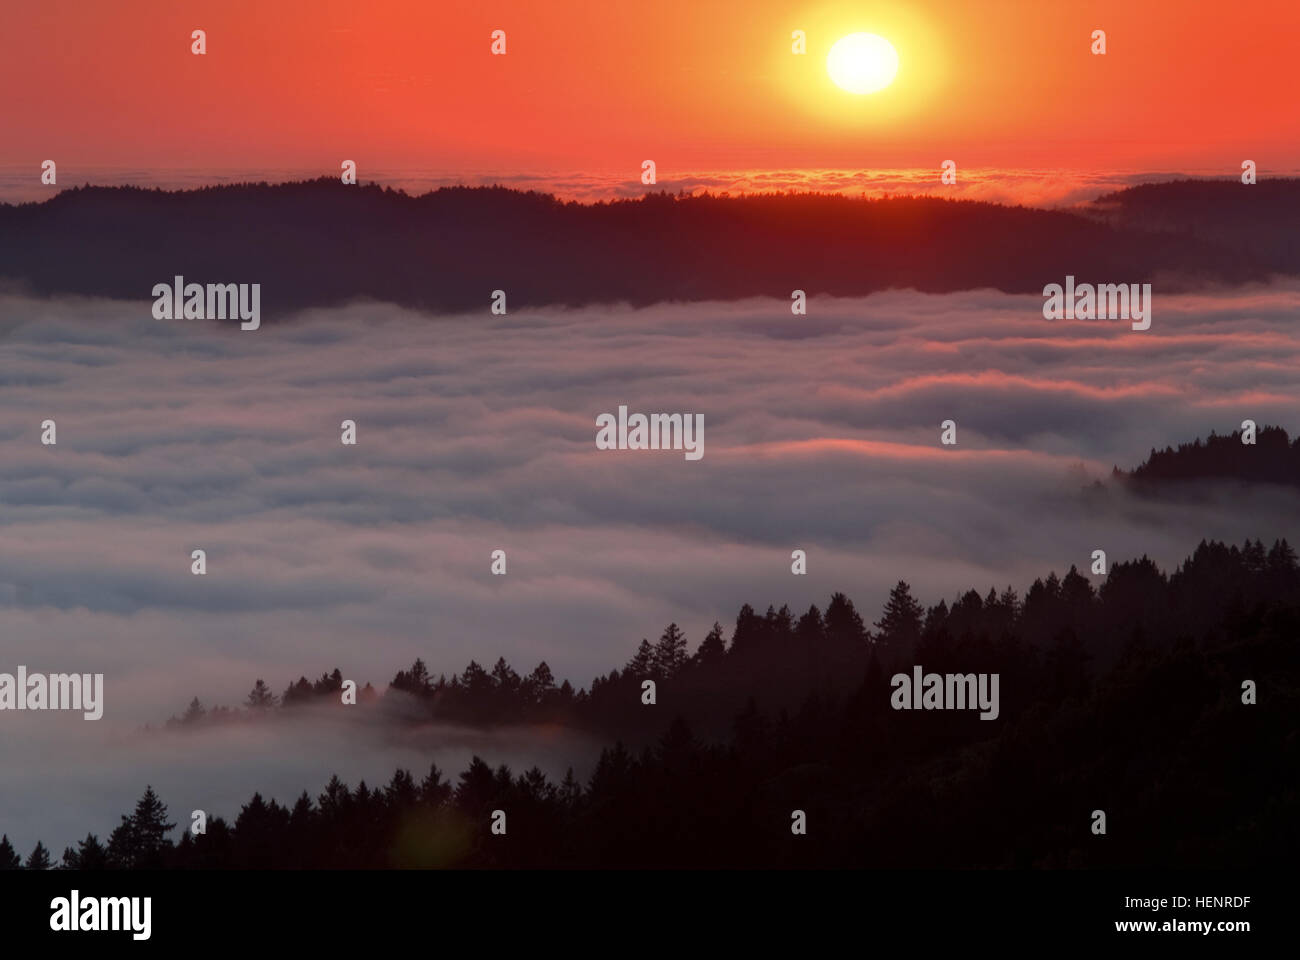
x=218 y=768
x=1032 y=188
x=477 y=433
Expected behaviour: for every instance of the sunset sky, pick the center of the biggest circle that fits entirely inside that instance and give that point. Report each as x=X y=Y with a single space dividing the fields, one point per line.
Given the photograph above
x=477 y=428
x=601 y=86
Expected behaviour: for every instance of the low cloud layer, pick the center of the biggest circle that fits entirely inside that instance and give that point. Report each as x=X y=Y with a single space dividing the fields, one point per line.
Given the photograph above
x=1033 y=188
x=477 y=433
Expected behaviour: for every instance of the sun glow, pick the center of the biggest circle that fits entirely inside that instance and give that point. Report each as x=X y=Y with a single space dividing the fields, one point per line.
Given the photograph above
x=862 y=63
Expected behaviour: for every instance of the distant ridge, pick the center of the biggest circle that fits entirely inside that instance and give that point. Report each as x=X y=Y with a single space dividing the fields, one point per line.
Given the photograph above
x=320 y=243
x=1273 y=458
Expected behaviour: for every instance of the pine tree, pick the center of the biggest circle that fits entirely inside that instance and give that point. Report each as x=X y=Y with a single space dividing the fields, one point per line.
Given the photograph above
x=1053 y=585
x=810 y=632
x=88 y=855
x=401 y=792
x=844 y=625
x=194 y=712
x=565 y=694
x=477 y=787
x=713 y=649
x=1281 y=557
x=122 y=846
x=140 y=840
x=935 y=619
x=669 y=653
x=298 y=692
x=9 y=859
x=39 y=859
x=363 y=804
x=1076 y=590
x=540 y=685
x=570 y=790
x=476 y=682
x=613 y=773
x=641 y=665
x=256 y=834
x=329 y=683
x=434 y=790
x=900 y=625
x=261 y=697
x=302 y=818
x=336 y=801
x=505 y=680
x=1010 y=602
x=534 y=786
x=780 y=624
x=748 y=634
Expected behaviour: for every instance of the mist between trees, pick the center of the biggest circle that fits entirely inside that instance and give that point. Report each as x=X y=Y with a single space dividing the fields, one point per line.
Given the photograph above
x=1126 y=697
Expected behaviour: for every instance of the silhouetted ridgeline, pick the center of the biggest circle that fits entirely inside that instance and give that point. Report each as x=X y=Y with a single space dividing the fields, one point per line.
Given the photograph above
x=320 y=242
x=1272 y=458
x=1259 y=219
x=778 y=659
x=1126 y=698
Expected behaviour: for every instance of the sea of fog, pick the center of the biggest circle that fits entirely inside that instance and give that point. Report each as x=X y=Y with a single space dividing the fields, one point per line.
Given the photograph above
x=477 y=433
x=1042 y=188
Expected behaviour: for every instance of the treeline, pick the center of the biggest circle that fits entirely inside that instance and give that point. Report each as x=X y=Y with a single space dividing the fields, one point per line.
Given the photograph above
x=1260 y=224
x=1169 y=701
x=1272 y=458
x=829 y=642
x=779 y=659
x=260 y=699
x=442 y=250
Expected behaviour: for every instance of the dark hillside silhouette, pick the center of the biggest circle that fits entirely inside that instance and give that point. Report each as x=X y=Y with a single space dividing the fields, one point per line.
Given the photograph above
x=1272 y=458
x=1126 y=697
x=320 y=243
x=1259 y=219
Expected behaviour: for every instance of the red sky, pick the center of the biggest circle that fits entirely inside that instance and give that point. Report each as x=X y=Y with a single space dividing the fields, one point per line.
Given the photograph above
x=601 y=86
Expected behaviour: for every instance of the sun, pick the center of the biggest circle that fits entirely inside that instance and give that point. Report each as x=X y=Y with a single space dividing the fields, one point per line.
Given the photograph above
x=862 y=63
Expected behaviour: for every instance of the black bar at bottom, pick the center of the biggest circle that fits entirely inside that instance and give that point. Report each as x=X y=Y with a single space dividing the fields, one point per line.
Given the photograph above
x=927 y=908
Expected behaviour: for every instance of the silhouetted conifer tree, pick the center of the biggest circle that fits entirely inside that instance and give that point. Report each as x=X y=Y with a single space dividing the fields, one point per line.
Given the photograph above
x=39 y=858
x=261 y=697
x=9 y=859
x=844 y=626
x=748 y=634
x=713 y=648
x=670 y=652
x=88 y=855
x=642 y=664
x=140 y=840
x=540 y=684
x=434 y=789
x=900 y=624
x=570 y=790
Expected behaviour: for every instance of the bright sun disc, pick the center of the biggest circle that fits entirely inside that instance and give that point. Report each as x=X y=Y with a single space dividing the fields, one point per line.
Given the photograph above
x=862 y=63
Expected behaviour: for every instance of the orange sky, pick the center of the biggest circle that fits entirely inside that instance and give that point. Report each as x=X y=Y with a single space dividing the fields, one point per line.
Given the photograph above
x=601 y=86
